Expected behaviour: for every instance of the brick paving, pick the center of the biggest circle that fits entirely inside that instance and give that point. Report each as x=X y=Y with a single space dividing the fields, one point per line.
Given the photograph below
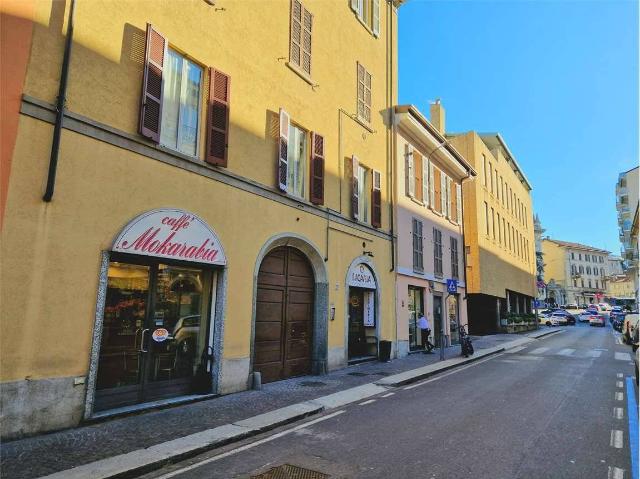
x=48 y=453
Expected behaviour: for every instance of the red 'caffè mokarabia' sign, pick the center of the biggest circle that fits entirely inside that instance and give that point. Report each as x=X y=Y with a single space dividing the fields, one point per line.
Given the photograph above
x=171 y=233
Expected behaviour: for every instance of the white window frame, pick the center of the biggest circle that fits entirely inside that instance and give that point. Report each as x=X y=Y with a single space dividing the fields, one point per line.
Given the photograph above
x=363 y=194
x=299 y=166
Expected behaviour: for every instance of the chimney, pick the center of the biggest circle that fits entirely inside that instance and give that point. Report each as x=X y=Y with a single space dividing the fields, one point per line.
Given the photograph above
x=436 y=111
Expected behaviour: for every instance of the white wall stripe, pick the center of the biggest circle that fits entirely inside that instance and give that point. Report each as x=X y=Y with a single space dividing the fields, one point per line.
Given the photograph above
x=617 y=439
x=615 y=473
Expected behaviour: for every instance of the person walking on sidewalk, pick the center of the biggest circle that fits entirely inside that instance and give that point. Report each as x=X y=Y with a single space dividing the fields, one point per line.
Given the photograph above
x=425 y=332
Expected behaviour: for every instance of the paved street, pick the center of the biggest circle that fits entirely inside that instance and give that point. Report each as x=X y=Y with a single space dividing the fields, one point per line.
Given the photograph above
x=554 y=409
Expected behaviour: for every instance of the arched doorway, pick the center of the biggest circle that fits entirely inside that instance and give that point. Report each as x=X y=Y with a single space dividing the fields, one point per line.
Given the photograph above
x=283 y=337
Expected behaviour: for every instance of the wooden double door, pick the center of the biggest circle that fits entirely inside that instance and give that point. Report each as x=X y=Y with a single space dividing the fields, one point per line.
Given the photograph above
x=284 y=315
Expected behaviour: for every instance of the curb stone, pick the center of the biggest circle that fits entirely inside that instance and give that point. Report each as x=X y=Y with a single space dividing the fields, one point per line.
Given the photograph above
x=141 y=461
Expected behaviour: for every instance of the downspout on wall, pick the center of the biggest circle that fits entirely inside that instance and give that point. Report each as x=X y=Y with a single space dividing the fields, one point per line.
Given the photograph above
x=60 y=107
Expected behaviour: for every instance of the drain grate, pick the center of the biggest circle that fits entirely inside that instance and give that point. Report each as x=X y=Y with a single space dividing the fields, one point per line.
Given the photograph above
x=357 y=374
x=287 y=471
x=313 y=384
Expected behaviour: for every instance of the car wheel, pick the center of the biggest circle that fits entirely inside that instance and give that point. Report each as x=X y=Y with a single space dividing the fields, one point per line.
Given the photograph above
x=548 y=323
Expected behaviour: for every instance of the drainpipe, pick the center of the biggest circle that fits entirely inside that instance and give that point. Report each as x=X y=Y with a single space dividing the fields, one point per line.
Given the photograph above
x=464 y=249
x=62 y=92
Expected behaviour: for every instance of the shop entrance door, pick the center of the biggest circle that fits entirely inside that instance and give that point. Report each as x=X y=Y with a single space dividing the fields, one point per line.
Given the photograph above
x=284 y=315
x=154 y=330
x=437 y=319
x=416 y=309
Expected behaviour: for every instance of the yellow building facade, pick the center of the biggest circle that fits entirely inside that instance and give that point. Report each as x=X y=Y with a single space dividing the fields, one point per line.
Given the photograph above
x=220 y=205
x=498 y=232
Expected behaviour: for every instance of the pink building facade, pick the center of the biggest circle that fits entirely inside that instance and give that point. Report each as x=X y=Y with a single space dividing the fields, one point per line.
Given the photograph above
x=428 y=208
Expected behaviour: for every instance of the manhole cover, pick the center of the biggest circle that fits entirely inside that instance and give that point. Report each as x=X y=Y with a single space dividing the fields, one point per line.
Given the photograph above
x=312 y=384
x=357 y=374
x=287 y=471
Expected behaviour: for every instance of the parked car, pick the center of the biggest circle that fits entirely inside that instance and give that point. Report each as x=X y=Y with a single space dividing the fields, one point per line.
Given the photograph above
x=570 y=318
x=584 y=306
x=572 y=306
x=597 y=320
x=548 y=319
x=561 y=318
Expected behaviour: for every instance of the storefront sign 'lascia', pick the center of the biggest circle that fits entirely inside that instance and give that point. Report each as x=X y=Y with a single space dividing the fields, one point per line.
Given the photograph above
x=171 y=233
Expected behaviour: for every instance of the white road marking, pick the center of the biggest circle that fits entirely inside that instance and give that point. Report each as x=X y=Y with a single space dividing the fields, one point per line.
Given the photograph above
x=249 y=446
x=594 y=353
x=619 y=375
x=619 y=396
x=453 y=372
x=531 y=358
x=516 y=350
x=618 y=413
x=387 y=395
x=367 y=402
x=623 y=356
x=618 y=340
x=539 y=351
x=600 y=349
x=615 y=473
x=566 y=352
x=619 y=384
x=616 y=439
x=512 y=361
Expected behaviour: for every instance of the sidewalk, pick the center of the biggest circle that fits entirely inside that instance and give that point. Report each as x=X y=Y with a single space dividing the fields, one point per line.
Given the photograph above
x=131 y=445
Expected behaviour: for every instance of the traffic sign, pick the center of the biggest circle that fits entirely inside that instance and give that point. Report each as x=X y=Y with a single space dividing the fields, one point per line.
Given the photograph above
x=452 y=285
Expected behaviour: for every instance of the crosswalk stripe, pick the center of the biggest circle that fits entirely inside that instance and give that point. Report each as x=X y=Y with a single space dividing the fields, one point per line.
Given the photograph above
x=619 y=384
x=566 y=352
x=616 y=439
x=516 y=350
x=594 y=353
x=615 y=473
x=618 y=412
x=539 y=351
x=623 y=357
x=619 y=396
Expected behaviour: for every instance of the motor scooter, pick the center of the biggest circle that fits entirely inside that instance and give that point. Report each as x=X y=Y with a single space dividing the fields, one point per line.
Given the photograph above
x=465 y=342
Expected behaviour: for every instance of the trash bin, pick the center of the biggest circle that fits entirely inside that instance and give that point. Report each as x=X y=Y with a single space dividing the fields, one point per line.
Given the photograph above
x=384 y=351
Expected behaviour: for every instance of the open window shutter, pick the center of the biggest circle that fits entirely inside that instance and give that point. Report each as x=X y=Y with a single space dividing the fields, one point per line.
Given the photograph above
x=443 y=193
x=376 y=18
x=283 y=170
x=218 y=118
x=307 y=23
x=425 y=182
x=295 y=49
x=357 y=6
x=151 y=108
x=376 y=201
x=409 y=177
x=317 y=169
x=432 y=191
x=447 y=181
x=355 y=199
x=459 y=203
x=453 y=201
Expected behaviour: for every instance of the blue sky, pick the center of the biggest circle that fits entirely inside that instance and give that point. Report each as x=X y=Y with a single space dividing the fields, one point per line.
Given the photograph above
x=559 y=81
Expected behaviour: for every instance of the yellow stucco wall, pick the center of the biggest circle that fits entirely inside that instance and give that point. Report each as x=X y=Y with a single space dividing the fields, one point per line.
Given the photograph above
x=554 y=263
x=51 y=251
x=492 y=267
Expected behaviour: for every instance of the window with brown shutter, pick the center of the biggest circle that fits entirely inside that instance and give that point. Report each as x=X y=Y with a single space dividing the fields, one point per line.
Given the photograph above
x=283 y=144
x=417 y=168
x=376 y=200
x=437 y=183
x=218 y=118
x=317 y=169
x=151 y=108
x=355 y=189
x=454 y=203
x=300 y=44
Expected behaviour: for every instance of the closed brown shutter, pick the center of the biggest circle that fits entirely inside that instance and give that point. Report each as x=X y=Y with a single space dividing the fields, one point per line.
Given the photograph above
x=151 y=108
x=376 y=201
x=296 y=32
x=317 y=169
x=283 y=144
x=417 y=171
x=355 y=200
x=438 y=190
x=218 y=118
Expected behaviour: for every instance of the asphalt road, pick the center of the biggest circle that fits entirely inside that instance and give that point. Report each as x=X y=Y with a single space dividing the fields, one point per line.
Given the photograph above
x=555 y=409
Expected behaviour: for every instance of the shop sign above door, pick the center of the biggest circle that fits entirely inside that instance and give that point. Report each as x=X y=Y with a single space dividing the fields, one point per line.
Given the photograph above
x=171 y=233
x=362 y=277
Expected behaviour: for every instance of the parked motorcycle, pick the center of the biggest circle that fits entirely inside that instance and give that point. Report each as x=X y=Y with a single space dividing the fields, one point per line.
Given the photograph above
x=465 y=342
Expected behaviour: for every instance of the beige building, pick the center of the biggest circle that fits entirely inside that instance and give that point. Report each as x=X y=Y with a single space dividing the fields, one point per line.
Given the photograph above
x=575 y=273
x=627 y=204
x=428 y=209
x=499 y=232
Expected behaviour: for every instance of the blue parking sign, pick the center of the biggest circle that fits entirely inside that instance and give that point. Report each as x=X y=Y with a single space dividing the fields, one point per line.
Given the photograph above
x=452 y=285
